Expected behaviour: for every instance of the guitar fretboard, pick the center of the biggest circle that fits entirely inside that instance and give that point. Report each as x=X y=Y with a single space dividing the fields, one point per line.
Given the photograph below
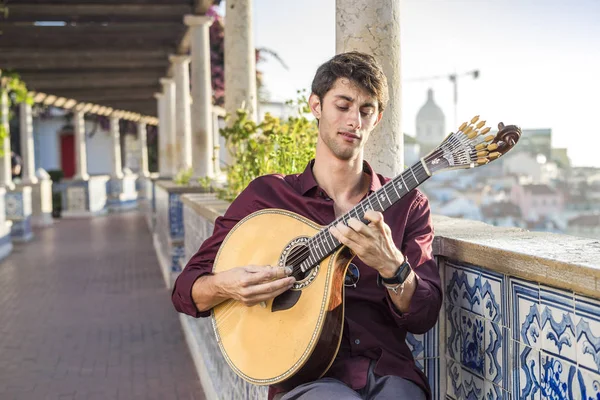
x=323 y=243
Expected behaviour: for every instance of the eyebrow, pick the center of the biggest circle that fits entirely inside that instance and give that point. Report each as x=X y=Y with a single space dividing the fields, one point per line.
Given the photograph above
x=350 y=99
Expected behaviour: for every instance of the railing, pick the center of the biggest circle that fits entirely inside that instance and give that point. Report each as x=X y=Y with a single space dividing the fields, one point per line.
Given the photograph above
x=521 y=315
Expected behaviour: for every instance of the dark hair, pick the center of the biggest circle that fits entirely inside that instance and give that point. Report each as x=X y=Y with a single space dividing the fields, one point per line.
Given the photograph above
x=361 y=68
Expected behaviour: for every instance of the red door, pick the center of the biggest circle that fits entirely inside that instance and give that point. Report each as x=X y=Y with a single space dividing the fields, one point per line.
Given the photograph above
x=67 y=151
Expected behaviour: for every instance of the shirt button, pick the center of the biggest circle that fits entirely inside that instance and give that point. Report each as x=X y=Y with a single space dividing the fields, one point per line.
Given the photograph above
x=356 y=341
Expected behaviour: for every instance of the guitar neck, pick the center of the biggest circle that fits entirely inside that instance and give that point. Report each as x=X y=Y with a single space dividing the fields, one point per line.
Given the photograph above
x=323 y=243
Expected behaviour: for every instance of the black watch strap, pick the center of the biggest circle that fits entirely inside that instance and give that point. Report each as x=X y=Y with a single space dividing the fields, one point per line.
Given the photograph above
x=399 y=277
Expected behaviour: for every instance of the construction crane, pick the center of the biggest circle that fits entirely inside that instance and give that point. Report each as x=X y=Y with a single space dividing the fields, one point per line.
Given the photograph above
x=454 y=79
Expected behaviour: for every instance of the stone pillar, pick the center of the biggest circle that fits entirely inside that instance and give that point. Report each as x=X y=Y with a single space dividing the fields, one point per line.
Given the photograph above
x=80 y=146
x=373 y=26
x=27 y=153
x=163 y=137
x=5 y=165
x=115 y=134
x=202 y=132
x=169 y=113
x=183 y=124
x=143 y=141
x=240 y=58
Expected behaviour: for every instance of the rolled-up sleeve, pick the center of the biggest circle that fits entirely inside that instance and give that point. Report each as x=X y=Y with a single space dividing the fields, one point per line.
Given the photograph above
x=201 y=263
x=417 y=246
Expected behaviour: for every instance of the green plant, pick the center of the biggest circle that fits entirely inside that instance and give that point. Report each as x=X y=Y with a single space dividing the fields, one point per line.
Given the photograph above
x=268 y=147
x=183 y=176
x=16 y=92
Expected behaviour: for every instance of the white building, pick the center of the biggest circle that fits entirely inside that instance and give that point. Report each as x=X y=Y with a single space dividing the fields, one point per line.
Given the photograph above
x=431 y=125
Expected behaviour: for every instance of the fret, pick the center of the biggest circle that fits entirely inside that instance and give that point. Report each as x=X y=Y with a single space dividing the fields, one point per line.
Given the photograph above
x=386 y=195
x=380 y=205
x=329 y=237
x=393 y=182
x=403 y=181
x=413 y=174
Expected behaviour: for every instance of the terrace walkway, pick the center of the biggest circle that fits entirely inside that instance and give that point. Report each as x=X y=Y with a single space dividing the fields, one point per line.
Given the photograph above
x=84 y=314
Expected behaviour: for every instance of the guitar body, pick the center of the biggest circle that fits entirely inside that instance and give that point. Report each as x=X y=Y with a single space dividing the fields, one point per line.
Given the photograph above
x=295 y=337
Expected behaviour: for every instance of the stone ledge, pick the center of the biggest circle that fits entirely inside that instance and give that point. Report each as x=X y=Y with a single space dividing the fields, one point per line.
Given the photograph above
x=173 y=187
x=206 y=204
x=563 y=261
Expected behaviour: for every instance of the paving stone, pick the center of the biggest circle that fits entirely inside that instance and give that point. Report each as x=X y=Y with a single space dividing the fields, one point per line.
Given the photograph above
x=84 y=314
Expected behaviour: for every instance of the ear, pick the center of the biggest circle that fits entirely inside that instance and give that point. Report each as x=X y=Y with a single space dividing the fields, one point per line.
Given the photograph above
x=315 y=105
x=378 y=118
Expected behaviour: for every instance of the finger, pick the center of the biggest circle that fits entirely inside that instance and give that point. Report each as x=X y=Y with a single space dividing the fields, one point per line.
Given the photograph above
x=266 y=273
x=375 y=217
x=359 y=227
x=266 y=289
x=343 y=238
x=262 y=298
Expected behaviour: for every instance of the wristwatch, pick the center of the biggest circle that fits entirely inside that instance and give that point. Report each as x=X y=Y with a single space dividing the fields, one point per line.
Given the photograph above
x=398 y=279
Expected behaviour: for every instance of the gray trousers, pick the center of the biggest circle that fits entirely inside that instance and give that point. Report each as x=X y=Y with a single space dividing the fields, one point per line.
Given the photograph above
x=377 y=388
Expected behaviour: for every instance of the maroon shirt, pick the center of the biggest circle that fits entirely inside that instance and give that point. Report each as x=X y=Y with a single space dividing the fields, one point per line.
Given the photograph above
x=373 y=328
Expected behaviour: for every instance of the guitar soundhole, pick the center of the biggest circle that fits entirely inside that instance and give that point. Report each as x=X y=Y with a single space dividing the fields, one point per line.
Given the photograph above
x=293 y=255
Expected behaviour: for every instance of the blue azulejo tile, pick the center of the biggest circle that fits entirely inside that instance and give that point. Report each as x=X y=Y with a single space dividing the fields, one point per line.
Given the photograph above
x=497 y=343
x=587 y=327
x=415 y=344
x=454 y=385
x=494 y=297
x=463 y=287
x=175 y=216
x=524 y=304
x=453 y=336
x=526 y=372
x=494 y=392
x=587 y=385
x=555 y=377
x=557 y=313
x=472 y=344
x=473 y=386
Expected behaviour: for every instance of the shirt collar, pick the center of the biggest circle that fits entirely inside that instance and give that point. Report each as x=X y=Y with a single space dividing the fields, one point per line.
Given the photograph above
x=308 y=182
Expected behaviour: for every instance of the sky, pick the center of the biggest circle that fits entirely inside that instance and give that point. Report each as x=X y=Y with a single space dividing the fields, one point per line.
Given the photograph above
x=539 y=61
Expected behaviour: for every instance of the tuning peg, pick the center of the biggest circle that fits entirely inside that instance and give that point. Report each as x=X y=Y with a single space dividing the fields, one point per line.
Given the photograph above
x=481 y=146
x=482 y=161
x=462 y=126
x=492 y=147
x=473 y=134
x=480 y=124
x=494 y=155
x=474 y=119
x=482 y=153
x=468 y=131
x=489 y=138
x=485 y=130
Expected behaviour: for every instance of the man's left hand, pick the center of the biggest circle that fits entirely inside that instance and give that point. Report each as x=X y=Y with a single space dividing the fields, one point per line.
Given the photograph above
x=372 y=243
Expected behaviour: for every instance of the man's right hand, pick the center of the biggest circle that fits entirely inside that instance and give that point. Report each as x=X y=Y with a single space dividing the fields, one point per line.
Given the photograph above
x=253 y=284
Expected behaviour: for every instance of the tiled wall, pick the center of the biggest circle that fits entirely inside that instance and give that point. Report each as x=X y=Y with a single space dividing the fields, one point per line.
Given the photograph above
x=169 y=228
x=507 y=338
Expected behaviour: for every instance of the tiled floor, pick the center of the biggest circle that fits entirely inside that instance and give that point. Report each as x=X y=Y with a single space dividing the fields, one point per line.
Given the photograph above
x=84 y=314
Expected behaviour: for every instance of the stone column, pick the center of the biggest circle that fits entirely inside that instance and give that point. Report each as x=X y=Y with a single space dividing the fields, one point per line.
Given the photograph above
x=202 y=137
x=80 y=146
x=373 y=26
x=169 y=113
x=162 y=135
x=115 y=134
x=27 y=153
x=183 y=124
x=5 y=164
x=143 y=141
x=240 y=58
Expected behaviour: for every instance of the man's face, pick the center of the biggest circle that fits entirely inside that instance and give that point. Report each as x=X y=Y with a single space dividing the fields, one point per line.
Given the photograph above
x=347 y=115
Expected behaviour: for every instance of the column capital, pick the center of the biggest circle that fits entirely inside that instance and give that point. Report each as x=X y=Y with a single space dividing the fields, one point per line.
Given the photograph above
x=197 y=20
x=166 y=81
x=179 y=58
x=158 y=95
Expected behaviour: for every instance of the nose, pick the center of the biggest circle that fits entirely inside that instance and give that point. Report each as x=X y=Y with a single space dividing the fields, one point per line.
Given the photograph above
x=354 y=119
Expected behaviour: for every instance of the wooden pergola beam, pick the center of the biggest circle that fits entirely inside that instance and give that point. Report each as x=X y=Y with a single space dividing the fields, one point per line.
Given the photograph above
x=106 y=11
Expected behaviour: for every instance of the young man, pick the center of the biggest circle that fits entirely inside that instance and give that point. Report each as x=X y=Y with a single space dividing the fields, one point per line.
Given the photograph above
x=349 y=94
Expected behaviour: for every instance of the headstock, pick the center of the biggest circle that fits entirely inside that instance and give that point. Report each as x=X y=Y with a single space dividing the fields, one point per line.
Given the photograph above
x=472 y=146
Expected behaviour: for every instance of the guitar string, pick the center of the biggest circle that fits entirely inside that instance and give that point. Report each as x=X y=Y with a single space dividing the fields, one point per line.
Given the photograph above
x=453 y=143
x=229 y=309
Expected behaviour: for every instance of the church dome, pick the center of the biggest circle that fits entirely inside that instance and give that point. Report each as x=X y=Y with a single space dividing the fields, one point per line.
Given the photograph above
x=430 y=111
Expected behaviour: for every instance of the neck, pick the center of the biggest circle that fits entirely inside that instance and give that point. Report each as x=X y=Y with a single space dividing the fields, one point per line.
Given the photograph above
x=341 y=179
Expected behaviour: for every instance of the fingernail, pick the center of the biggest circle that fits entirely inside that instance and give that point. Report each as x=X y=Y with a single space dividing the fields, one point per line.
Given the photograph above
x=288 y=270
